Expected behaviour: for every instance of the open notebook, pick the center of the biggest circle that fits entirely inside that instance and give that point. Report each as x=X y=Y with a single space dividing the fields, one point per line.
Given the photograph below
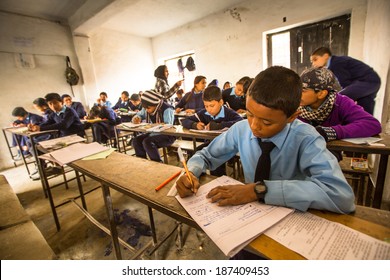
x=231 y=227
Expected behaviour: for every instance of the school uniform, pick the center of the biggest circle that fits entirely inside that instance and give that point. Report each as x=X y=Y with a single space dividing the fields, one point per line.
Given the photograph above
x=149 y=143
x=304 y=174
x=191 y=100
x=232 y=100
x=225 y=118
x=123 y=105
x=359 y=81
x=66 y=121
x=105 y=130
x=23 y=140
x=79 y=108
x=135 y=107
x=348 y=120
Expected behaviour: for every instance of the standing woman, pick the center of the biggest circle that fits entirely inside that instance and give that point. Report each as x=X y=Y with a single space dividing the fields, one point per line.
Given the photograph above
x=162 y=86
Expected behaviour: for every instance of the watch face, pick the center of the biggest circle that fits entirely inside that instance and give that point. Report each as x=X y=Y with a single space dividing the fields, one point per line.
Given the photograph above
x=260 y=188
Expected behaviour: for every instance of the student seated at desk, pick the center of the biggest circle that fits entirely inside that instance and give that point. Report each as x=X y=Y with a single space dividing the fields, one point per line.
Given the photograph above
x=192 y=101
x=235 y=97
x=215 y=116
x=23 y=119
x=63 y=118
x=155 y=110
x=135 y=102
x=334 y=116
x=285 y=161
x=77 y=106
x=41 y=106
x=123 y=105
x=102 y=100
x=104 y=130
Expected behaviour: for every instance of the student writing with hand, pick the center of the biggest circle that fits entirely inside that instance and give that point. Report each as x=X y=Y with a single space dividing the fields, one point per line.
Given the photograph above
x=215 y=116
x=285 y=161
x=155 y=110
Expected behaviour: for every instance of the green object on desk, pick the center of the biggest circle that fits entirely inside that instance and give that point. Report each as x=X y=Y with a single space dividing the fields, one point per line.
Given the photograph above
x=123 y=110
x=100 y=155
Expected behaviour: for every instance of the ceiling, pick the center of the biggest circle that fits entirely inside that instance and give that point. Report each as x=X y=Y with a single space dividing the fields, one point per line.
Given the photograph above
x=147 y=18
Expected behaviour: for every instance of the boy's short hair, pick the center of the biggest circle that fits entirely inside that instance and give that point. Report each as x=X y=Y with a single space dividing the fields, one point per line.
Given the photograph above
x=319 y=79
x=65 y=96
x=212 y=93
x=135 y=97
x=278 y=88
x=53 y=96
x=95 y=111
x=41 y=102
x=103 y=93
x=125 y=93
x=19 y=112
x=150 y=98
x=321 y=51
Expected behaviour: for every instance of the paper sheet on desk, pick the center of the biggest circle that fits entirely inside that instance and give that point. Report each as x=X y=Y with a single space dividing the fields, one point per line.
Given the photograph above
x=317 y=238
x=101 y=155
x=210 y=131
x=73 y=152
x=363 y=141
x=231 y=227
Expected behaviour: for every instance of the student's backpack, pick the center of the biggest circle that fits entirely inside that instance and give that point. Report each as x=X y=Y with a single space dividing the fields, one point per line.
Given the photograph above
x=180 y=66
x=190 y=64
x=71 y=76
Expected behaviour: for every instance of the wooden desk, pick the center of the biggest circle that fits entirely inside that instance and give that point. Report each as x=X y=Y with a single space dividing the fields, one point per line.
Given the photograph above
x=31 y=136
x=382 y=151
x=121 y=172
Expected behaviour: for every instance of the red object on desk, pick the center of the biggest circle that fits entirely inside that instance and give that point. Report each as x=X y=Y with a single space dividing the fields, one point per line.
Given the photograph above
x=167 y=181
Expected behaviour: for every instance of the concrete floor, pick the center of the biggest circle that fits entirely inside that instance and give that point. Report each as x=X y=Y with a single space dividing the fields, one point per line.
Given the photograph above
x=80 y=239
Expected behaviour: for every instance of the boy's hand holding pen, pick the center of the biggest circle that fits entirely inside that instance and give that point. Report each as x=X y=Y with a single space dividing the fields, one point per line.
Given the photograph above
x=187 y=184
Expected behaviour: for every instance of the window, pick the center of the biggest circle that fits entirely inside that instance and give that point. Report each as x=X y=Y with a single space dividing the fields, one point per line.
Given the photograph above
x=292 y=48
x=175 y=75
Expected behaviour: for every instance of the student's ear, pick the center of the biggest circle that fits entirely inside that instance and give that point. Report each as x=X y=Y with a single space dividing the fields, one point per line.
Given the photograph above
x=322 y=94
x=220 y=102
x=293 y=116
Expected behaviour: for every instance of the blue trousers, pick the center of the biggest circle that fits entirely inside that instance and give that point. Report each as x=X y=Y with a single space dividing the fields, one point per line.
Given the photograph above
x=148 y=144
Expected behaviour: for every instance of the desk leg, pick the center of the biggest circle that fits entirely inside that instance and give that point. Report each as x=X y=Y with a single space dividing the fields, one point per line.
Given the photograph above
x=152 y=226
x=46 y=187
x=380 y=181
x=9 y=147
x=110 y=214
x=80 y=186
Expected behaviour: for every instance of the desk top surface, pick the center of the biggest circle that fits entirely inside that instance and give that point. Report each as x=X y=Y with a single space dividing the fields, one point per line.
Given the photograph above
x=129 y=175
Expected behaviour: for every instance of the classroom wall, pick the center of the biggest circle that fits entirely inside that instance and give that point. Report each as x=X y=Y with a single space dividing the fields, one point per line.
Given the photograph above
x=49 y=42
x=121 y=62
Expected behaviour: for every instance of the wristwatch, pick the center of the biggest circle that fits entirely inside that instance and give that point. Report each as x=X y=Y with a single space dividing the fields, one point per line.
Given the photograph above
x=260 y=190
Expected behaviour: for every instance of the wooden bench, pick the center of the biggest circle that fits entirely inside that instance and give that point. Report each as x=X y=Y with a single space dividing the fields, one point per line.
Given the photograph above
x=20 y=238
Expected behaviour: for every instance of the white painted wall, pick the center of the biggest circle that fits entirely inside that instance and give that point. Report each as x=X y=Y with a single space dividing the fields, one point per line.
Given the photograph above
x=121 y=62
x=49 y=42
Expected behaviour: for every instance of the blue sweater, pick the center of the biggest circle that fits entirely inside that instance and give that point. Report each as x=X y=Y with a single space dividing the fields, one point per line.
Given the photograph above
x=191 y=100
x=67 y=122
x=225 y=118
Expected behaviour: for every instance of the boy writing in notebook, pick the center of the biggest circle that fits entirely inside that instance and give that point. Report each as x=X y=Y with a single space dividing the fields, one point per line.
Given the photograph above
x=285 y=161
x=64 y=119
x=155 y=110
x=215 y=116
